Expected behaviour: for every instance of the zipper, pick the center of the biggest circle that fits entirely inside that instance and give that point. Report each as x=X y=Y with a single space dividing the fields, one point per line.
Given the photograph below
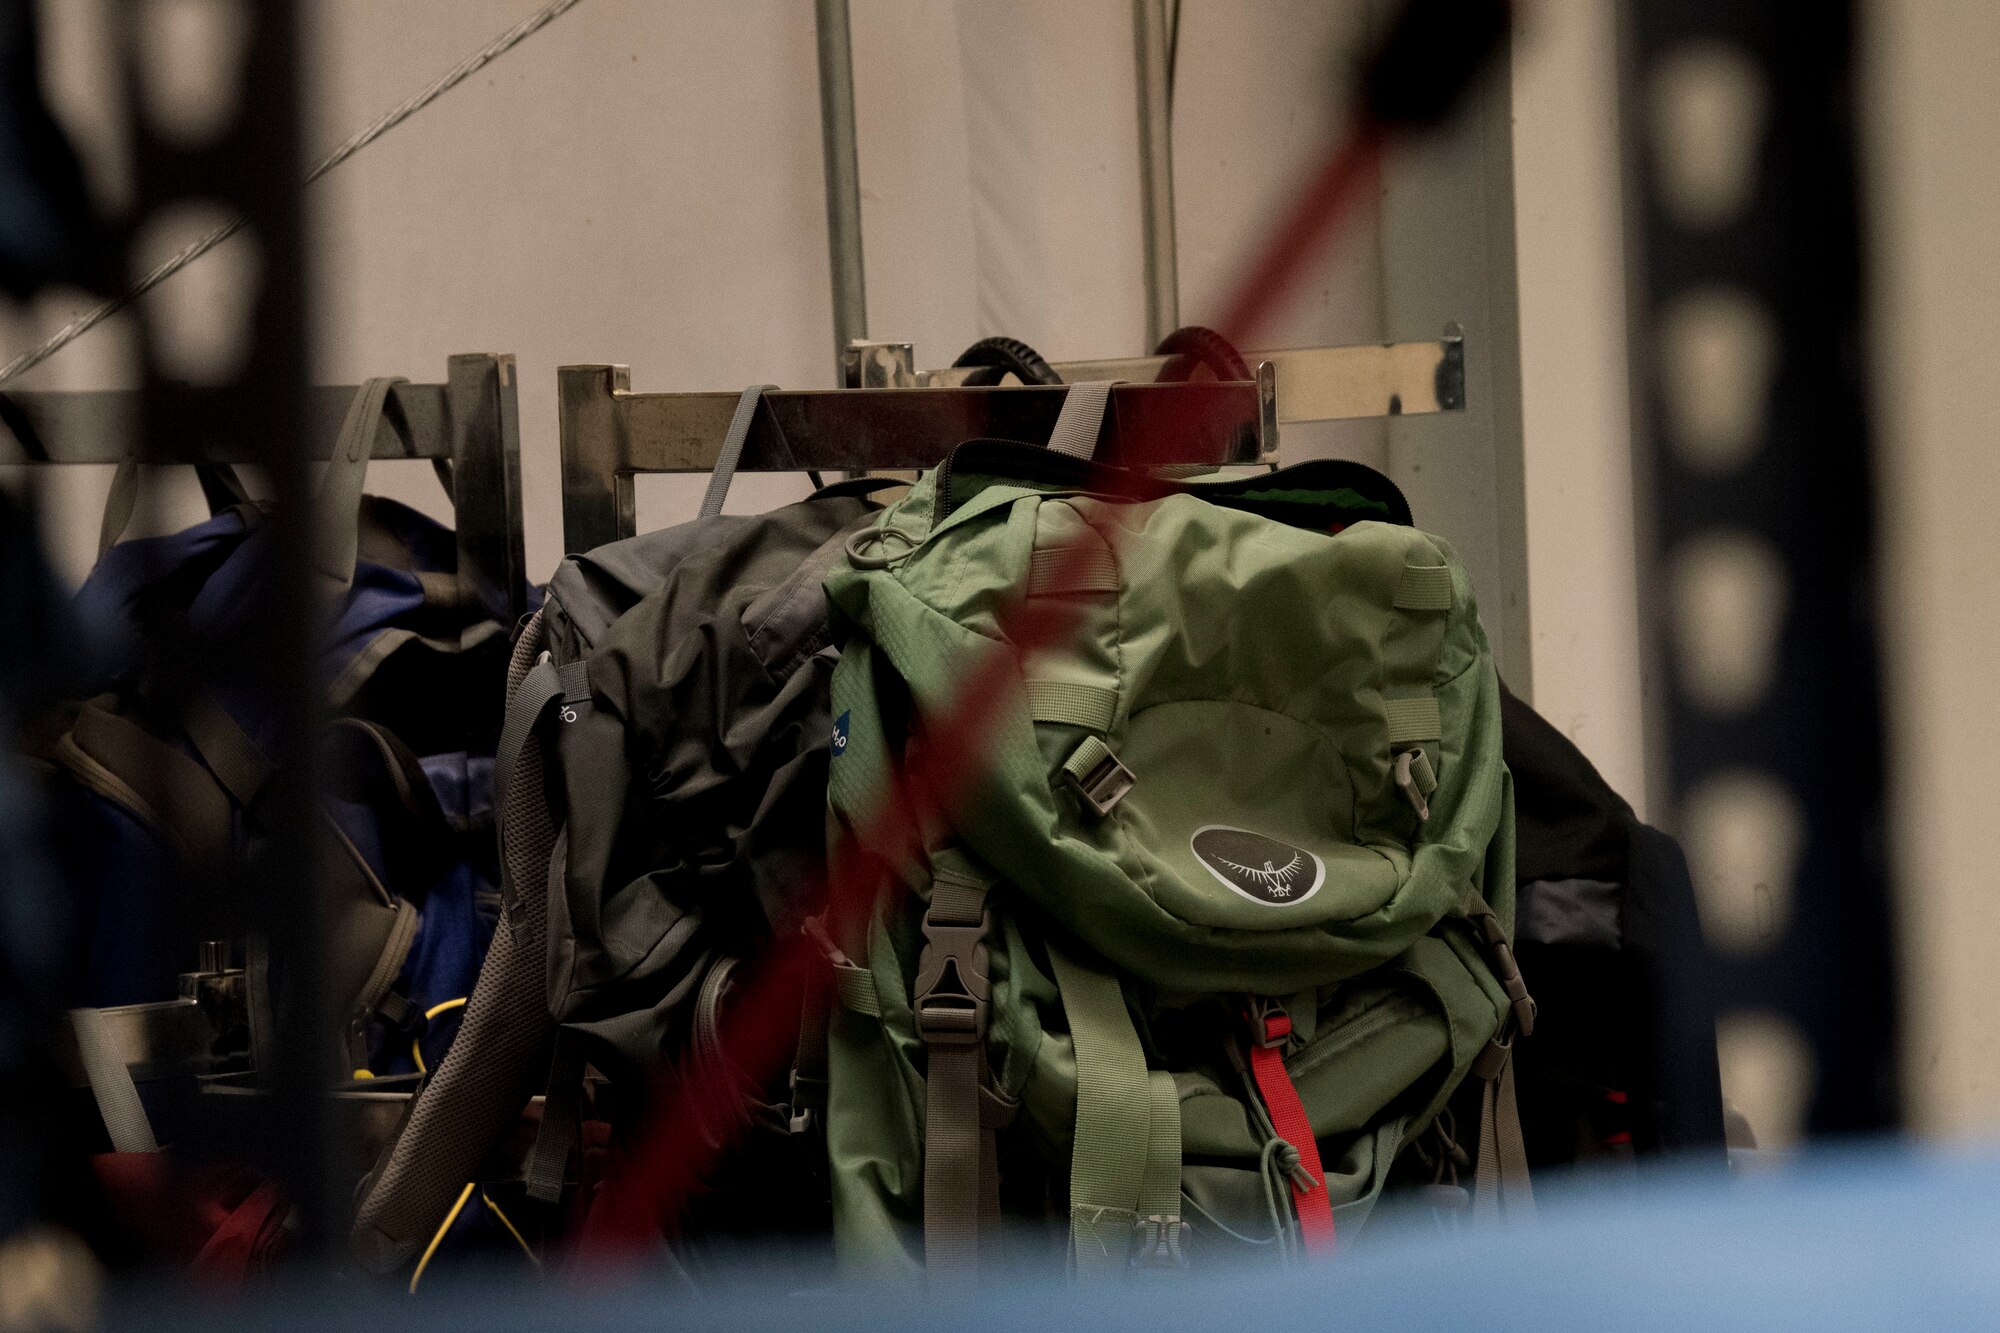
x=1396 y=1008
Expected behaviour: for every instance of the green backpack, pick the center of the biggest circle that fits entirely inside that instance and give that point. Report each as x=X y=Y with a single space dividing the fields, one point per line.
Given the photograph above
x=1219 y=926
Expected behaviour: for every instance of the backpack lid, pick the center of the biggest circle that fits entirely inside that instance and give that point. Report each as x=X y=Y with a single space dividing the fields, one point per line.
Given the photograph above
x=1307 y=724
x=1323 y=494
x=594 y=588
x=694 y=786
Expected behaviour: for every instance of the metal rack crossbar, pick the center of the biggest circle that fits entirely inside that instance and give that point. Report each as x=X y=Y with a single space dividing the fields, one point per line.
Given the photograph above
x=471 y=423
x=610 y=434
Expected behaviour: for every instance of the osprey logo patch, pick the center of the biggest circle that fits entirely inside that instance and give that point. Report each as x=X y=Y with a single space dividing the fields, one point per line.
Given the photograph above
x=1264 y=870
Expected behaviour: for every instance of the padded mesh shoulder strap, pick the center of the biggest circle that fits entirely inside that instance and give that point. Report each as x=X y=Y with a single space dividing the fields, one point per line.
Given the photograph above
x=493 y=1066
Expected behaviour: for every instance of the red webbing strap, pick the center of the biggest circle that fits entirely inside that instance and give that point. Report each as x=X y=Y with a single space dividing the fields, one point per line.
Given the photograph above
x=1288 y=1117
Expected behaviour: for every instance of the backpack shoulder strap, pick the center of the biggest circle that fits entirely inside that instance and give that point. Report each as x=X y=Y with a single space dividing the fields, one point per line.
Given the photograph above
x=949 y=1001
x=111 y=1084
x=1110 y=1170
x=339 y=500
x=117 y=759
x=504 y=1043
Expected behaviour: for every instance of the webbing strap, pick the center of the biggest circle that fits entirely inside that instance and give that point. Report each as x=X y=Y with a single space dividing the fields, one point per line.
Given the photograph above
x=1071 y=704
x=1501 y=1191
x=1114 y=1116
x=731 y=452
x=996 y=1112
x=854 y=987
x=810 y=1059
x=1415 y=719
x=111 y=1084
x=548 y=1161
x=1160 y=1187
x=543 y=685
x=339 y=499
x=124 y=763
x=1294 y=1126
x=228 y=751
x=1424 y=588
x=1160 y=1190
x=220 y=486
x=950 y=1003
x=1081 y=419
x=951 y=1160
x=259 y=1005
x=1062 y=573
x=1086 y=757
x=399 y=932
x=1506 y=969
x=119 y=503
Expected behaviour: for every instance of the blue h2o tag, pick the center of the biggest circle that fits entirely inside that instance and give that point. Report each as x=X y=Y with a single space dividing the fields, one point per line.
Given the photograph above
x=840 y=736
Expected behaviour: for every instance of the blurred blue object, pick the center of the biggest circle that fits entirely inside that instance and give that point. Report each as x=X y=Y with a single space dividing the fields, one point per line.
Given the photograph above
x=1882 y=1238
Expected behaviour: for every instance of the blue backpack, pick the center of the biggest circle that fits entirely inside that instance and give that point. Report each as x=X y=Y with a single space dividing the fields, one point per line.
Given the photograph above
x=160 y=771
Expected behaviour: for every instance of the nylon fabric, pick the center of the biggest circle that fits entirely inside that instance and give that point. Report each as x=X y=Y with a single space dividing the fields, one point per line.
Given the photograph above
x=1089 y=753
x=1422 y=774
x=1071 y=704
x=1424 y=588
x=1160 y=1188
x=128 y=765
x=952 y=1160
x=228 y=751
x=539 y=688
x=1081 y=419
x=556 y=1137
x=1066 y=574
x=675 y=821
x=1289 y=1119
x=1413 y=720
x=1501 y=1190
x=956 y=1140
x=111 y=1084
x=855 y=989
x=220 y=485
x=339 y=500
x=1113 y=1117
x=1248 y=665
x=731 y=452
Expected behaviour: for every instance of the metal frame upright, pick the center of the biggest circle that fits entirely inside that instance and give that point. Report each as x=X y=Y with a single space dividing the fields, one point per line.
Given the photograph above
x=1785 y=512
x=250 y=164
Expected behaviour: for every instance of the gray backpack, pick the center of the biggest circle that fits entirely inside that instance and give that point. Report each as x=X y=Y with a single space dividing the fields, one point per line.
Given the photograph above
x=661 y=785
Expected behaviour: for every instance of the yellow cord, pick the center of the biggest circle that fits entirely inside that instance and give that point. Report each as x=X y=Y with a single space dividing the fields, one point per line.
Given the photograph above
x=438 y=1239
x=416 y=1051
x=512 y=1230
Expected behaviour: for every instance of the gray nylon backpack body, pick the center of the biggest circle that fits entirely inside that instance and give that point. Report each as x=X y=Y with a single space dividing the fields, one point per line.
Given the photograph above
x=662 y=792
